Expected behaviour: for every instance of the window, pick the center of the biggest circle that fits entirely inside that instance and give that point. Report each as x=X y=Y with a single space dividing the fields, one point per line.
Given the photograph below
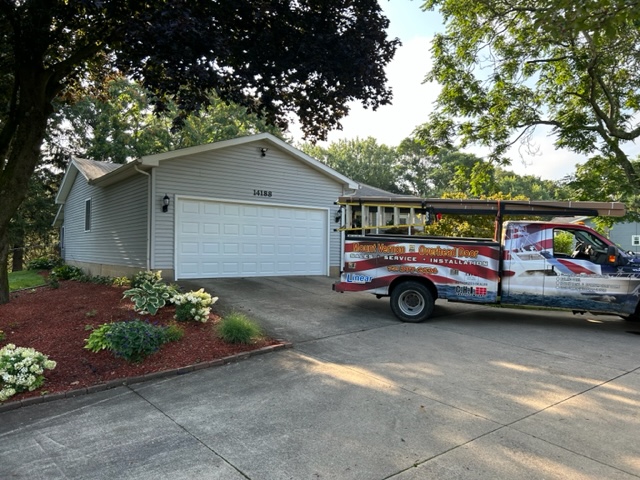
x=635 y=240
x=87 y=215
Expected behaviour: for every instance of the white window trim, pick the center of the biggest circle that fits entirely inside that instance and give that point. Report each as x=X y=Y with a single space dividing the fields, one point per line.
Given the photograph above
x=635 y=240
x=88 y=214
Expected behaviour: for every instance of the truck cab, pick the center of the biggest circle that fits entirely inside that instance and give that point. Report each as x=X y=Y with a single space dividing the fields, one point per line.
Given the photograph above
x=567 y=266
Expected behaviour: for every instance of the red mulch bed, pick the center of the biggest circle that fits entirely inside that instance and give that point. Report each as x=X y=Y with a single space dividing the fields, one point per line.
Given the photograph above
x=53 y=321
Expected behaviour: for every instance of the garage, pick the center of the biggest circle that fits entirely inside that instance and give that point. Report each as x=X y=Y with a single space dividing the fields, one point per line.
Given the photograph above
x=234 y=239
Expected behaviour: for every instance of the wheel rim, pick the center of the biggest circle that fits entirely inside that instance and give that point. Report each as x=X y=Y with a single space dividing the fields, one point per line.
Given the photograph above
x=411 y=303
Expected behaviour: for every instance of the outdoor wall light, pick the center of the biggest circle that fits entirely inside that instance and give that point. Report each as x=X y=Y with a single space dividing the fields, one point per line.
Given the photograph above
x=165 y=203
x=263 y=152
x=338 y=215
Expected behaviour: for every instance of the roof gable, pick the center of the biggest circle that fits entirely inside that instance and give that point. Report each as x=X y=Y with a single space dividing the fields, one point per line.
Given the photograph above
x=154 y=160
x=106 y=173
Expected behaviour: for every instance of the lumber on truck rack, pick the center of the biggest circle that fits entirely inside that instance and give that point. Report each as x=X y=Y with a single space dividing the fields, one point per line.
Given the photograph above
x=381 y=213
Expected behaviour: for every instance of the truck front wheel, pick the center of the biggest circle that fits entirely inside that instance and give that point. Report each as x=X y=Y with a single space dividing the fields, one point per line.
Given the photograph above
x=411 y=302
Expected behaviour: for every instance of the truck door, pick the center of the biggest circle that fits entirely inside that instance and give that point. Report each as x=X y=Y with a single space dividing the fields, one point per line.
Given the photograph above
x=583 y=279
x=527 y=249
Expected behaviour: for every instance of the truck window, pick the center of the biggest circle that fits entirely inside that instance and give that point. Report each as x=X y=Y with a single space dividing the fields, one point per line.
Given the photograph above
x=578 y=244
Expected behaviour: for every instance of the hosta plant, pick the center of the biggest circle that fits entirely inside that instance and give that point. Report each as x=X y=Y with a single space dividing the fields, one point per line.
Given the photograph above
x=150 y=297
x=193 y=306
x=148 y=276
x=21 y=370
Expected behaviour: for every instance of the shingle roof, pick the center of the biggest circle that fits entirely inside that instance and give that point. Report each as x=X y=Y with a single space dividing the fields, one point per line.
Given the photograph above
x=93 y=169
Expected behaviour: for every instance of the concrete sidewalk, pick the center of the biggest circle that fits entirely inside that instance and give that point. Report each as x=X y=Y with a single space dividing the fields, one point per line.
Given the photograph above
x=475 y=392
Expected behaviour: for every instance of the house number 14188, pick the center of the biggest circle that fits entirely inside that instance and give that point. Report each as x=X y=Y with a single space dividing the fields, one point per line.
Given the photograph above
x=262 y=193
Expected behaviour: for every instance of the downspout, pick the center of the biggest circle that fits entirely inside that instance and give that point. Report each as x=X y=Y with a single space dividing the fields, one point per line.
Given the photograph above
x=149 y=213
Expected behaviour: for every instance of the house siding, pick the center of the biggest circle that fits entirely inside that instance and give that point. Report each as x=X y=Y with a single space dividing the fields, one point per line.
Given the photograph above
x=115 y=238
x=622 y=233
x=234 y=173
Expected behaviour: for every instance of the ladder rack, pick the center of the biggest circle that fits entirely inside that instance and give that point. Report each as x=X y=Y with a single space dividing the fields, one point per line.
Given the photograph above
x=382 y=213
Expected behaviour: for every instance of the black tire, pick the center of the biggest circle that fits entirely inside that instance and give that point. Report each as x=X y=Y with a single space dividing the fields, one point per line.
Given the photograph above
x=635 y=318
x=411 y=302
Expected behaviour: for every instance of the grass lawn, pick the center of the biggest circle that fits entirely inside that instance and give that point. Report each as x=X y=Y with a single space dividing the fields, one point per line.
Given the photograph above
x=25 y=279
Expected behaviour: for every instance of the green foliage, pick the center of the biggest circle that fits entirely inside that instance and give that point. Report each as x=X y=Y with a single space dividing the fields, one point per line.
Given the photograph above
x=563 y=242
x=67 y=272
x=361 y=160
x=98 y=339
x=173 y=333
x=122 y=282
x=2 y=335
x=193 y=306
x=135 y=340
x=25 y=279
x=44 y=263
x=121 y=124
x=150 y=297
x=148 y=277
x=21 y=370
x=238 y=328
x=506 y=70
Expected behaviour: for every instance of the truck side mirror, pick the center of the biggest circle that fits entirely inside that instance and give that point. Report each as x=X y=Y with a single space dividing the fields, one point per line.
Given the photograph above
x=612 y=255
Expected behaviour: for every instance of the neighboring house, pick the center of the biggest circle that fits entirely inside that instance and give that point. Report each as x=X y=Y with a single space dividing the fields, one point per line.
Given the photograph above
x=626 y=235
x=250 y=206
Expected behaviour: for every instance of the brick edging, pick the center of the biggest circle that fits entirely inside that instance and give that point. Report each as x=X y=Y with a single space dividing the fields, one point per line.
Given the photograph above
x=6 y=406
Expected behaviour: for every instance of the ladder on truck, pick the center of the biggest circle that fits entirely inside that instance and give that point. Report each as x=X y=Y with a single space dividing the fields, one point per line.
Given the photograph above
x=366 y=215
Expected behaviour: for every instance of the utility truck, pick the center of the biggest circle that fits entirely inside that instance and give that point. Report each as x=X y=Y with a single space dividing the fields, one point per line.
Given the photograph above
x=528 y=263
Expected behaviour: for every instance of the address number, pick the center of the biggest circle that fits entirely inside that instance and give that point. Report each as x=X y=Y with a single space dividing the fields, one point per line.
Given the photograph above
x=262 y=193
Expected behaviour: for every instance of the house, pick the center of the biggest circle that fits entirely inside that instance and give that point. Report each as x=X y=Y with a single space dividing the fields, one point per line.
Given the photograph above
x=250 y=206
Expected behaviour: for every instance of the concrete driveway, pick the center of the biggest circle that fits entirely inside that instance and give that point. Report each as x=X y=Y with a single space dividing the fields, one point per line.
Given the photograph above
x=474 y=393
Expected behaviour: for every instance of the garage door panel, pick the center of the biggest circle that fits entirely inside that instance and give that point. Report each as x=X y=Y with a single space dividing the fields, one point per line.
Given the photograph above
x=217 y=239
x=210 y=248
x=209 y=208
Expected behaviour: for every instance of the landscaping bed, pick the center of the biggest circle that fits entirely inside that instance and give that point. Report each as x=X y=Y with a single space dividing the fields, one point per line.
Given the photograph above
x=56 y=322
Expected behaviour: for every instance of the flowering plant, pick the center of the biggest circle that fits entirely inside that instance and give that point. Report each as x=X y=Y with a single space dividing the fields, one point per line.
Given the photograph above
x=193 y=305
x=21 y=370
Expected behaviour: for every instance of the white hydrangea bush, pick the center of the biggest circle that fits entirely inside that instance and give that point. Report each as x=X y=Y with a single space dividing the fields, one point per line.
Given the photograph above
x=21 y=370
x=193 y=306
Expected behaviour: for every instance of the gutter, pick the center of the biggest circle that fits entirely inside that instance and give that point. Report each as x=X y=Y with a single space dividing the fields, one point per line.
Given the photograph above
x=149 y=213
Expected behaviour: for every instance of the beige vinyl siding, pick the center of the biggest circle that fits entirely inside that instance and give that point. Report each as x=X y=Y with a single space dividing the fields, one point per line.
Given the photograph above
x=233 y=174
x=118 y=234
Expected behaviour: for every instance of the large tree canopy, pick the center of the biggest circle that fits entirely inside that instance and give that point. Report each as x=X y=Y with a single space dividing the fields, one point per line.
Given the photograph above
x=509 y=66
x=277 y=58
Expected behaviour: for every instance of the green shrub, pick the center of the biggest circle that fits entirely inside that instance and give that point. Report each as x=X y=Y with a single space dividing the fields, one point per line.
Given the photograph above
x=150 y=297
x=44 y=263
x=67 y=272
x=135 y=340
x=21 y=370
x=193 y=306
x=121 y=282
x=146 y=277
x=173 y=332
x=98 y=339
x=238 y=328
x=132 y=340
x=2 y=335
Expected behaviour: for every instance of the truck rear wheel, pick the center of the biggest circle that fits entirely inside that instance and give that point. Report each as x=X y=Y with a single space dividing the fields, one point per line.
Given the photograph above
x=411 y=302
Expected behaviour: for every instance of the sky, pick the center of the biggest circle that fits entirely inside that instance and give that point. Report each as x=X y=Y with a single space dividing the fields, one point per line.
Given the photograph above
x=413 y=100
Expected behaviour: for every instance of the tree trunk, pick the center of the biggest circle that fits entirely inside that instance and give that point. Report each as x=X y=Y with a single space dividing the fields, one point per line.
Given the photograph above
x=4 y=276
x=22 y=155
x=17 y=257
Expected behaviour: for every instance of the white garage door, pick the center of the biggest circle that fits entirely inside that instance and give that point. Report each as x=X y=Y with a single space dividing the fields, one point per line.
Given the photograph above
x=216 y=239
